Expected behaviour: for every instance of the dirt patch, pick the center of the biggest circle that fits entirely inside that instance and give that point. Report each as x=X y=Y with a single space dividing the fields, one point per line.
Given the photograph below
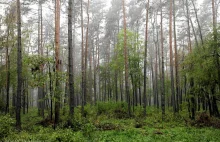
x=204 y=120
x=46 y=122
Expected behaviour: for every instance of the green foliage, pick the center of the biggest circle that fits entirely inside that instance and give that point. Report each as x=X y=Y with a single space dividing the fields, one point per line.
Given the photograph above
x=135 y=56
x=201 y=65
x=88 y=129
x=112 y=109
x=6 y=126
x=103 y=128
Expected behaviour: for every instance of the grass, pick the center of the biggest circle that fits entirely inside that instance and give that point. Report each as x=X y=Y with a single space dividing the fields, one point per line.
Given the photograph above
x=104 y=125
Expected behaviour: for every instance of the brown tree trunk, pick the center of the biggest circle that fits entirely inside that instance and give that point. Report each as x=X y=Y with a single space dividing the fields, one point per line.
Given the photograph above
x=145 y=61
x=176 y=61
x=126 y=61
x=57 y=54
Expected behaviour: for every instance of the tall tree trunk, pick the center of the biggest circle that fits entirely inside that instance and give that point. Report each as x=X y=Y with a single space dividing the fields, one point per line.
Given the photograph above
x=19 y=68
x=156 y=66
x=57 y=48
x=71 y=74
x=171 y=56
x=197 y=19
x=191 y=80
x=23 y=96
x=126 y=60
x=145 y=60
x=194 y=32
x=95 y=48
x=162 y=75
x=82 y=61
x=40 y=53
x=7 y=73
x=176 y=61
x=86 y=55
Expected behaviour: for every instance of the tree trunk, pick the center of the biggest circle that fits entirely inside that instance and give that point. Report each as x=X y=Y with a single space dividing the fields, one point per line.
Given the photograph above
x=71 y=74
x=162 y=75
x=197 y=19
x=82 y=61
x=126 y=60
x=19 y=68
x=95 y=48
x=57 y=48
x=86 y=55
x=145 y=61
x=194 y=32
x=8 y=73
x=171 y=57
x=176 y=61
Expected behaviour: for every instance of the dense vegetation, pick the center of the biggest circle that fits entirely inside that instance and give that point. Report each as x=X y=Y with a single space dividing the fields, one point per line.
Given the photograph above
x=110 y=122
x=126 y=71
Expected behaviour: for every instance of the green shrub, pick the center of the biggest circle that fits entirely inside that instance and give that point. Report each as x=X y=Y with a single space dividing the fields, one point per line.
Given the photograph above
x=112 y=109
x=88 y=129
x=6 y=125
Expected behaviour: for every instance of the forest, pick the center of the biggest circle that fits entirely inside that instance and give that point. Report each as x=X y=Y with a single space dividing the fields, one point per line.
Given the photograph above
x=110 y=70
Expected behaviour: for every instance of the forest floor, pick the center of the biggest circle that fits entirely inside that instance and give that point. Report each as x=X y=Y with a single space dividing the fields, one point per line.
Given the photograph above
x=105 y=124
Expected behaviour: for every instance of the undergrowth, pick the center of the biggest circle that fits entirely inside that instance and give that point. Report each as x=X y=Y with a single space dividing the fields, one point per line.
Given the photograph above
x=110 y=122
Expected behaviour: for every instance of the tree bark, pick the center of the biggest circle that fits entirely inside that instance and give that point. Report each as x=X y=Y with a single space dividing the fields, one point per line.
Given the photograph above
x=126 y=60
x=197 y=19
x=71 y=73
x=82 y=61
x=176 y=61
x=145 y=61
x=57 y=58
x=19 y=68
x=171 y=56
x=86 y=55
x=8 y=73
x=162 y=75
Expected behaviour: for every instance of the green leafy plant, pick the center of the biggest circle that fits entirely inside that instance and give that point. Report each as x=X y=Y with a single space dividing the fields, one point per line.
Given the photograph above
x=6 y=125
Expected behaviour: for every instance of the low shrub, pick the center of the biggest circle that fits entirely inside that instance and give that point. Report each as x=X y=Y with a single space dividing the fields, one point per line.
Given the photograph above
x=6 y=125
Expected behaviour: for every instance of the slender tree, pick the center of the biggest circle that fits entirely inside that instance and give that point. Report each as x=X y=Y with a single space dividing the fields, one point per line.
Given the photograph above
x=197 y=20
x=8 y=72
x=176 y=59
x=57 y=54
x=145 y=60
x=126 y=60
x=171 y=55
x=71 y=74
x=162 y=72
x=19 y=68
x=191 y=80
x=82 y=61
x=86 y=55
